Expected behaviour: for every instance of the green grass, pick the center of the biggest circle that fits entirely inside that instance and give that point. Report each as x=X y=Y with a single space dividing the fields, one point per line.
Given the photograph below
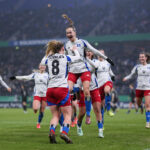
x=122 y=132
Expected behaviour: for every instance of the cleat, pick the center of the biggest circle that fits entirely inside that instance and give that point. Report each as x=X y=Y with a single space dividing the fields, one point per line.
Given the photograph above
x=110 y=113
x=72 y=124
x=88 y=120
x=52 y=138
x=75 y=120
x=79 y=131
x=38 y=126
x=66 y=138
x=147 y=125
x=100 y=134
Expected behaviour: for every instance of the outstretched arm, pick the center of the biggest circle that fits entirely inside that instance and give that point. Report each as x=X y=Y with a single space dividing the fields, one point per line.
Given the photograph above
x=4 y=84
x=23 y=78
x=96 y=52
x=133 y=72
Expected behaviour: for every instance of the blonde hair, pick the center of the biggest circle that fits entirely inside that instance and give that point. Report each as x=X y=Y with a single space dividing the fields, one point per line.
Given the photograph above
x=71 y=23
x=53 y=47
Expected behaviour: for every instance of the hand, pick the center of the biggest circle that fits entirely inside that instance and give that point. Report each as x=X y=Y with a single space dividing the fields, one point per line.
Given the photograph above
x=12 y=78
x=124 y=79
x=110 y=61
x=9 y=89
x=113 y=78
x=74 y=48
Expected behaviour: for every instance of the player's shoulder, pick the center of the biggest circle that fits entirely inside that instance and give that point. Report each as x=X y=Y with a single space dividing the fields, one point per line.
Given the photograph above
x=83 y=42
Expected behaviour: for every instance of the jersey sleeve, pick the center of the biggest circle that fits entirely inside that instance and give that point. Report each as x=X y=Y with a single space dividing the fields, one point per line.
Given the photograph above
x=73 y=58
x=92 y=49
x=26 y=78
x=3 y=83
x=44 y=61
x=133 y=72
x=92 y=63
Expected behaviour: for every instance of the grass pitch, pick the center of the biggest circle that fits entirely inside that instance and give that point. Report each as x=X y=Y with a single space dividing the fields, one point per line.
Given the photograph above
x=122 y=132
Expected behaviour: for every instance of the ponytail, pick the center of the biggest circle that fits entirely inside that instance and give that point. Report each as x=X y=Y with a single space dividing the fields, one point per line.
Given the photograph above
x=71 y=23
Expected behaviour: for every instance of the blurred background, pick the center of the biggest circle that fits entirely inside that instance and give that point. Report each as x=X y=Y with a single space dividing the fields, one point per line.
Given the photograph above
x=120 y=27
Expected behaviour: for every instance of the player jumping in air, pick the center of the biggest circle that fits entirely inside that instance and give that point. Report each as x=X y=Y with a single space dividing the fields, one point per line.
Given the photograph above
x=79 y=68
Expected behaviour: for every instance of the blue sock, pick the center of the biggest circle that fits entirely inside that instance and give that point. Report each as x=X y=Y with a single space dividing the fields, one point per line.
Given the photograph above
x=100 y=124
x=79 y=124
x=65 y=128
x=61 y=119
x=102 y=112
x=107 y=102
x=88 y=106
x=40 y=117
x=52 y=128
x=147 y=116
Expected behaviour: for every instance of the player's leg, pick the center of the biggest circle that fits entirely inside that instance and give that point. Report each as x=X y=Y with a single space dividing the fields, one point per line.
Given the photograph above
x=66 y=110
x=36 y=104
x=53 y=123
x=74 y=112
x=41 y=113
x=24 y=105
x=107 y=90
x=129 y=109
x=97 y=111
x=82 y=111
x=86 y=91
x=147 y=107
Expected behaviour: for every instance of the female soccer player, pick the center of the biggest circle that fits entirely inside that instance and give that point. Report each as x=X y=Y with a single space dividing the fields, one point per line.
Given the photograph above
x=79 y=68
x=40 y=78
x=58 y=92
x=105 y=77
x=95 y=98
x=142 y=71
x=4 y=84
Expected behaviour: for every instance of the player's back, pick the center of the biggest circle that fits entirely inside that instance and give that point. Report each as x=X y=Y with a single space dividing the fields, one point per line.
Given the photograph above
x=58 y=70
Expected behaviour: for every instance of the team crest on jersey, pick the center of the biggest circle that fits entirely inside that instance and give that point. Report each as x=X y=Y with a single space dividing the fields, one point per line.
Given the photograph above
x=78 y=45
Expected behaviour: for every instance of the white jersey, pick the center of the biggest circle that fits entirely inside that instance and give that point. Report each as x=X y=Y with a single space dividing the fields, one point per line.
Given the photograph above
x=92 y=68
x=58 y=68
x=3 y=83
x=143 y=76
x=104 y=72
x=41 y=82
x=82 y=45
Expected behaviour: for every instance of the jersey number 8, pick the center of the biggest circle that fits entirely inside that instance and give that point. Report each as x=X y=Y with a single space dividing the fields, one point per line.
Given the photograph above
x=55 y=67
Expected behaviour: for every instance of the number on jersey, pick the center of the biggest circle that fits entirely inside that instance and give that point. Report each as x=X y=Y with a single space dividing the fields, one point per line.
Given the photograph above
x=55 y=67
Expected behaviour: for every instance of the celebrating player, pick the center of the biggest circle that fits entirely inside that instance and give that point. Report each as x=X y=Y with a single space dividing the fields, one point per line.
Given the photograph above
x=79 y=68
x=95 y=98
x=40 y=78
x=105 y=77
x=142 y=71
x=58 y=92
